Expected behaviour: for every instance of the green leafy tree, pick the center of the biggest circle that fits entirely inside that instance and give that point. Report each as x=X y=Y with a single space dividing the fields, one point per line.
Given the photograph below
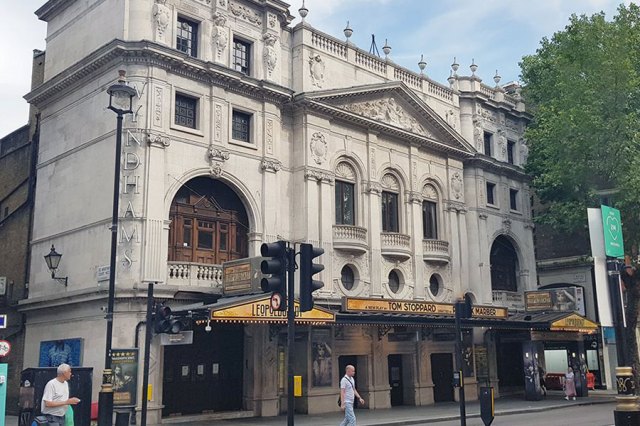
x=583 y=88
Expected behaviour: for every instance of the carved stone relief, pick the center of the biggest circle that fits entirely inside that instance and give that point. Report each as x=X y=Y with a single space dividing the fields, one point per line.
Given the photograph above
x=360 y=264
x=506 y=225
x=502 y=144
x=245 y=13
x=272 y=19
x=219 y=35
x=512 y=125
x=217 y=122
x=390 y=182
x=456 y=185
x=270 y=54
x=489 y=115
x=429 y=192
x=269 y=133
x=157 y=139
x=271 y=165
x=478 y=133
x=318 y=147
x=316 y=70
x=158 y=94
x=388 y=111
x=217 y=158
x=345 y=171
x=524 y=151
x=319 y=175
x=372 y=156
x=161 y=19
x=406 y=271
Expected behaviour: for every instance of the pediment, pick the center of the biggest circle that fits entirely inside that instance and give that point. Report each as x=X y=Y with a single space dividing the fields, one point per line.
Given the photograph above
x=395 y=108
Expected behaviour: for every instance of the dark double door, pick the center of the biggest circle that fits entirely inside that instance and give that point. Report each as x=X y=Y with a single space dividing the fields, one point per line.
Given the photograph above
x=205 y=376
x=395 y=379
x=442 y=374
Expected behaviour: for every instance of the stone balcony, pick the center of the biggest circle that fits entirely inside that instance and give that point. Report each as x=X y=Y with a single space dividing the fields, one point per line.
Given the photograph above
x=204 y=276
x=350 y=238
x=508 y=299
x=395 y=245
x=435 y=250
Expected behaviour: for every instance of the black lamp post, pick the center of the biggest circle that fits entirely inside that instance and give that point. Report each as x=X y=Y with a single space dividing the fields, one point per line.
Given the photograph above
x=121 y=102
x=53 y=261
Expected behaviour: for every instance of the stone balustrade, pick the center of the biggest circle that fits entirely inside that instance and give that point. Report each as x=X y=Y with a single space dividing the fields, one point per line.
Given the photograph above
x=350 y=238
x=194 y=274
x=394 y=244
x=435 y=250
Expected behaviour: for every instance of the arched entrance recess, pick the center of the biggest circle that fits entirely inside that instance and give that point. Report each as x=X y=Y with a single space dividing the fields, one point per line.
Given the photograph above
x=209 y=223
x=504 y=265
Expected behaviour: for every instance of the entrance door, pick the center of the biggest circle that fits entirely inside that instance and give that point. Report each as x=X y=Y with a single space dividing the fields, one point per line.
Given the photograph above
x=395 y=379
x=442 y=374
x=343 y=361
x=205 y=376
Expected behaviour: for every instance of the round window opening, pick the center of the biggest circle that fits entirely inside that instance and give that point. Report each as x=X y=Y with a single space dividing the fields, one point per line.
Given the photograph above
x=434 y=285
x=394 y=281
x=347 y=278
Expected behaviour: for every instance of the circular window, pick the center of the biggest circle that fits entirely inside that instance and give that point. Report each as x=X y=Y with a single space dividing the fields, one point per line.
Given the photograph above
x=434 y=285
x=394 y=281
x=347 y=278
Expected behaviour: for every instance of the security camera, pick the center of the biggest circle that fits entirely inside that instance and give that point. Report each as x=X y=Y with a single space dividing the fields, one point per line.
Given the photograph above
x=103 y=308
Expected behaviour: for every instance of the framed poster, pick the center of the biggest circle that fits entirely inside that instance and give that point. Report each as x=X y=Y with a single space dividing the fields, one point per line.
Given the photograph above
x=64 y=351
x=124 y=363
x=321 y=350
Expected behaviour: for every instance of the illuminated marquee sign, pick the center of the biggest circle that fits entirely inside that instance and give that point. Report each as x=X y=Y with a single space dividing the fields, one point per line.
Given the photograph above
x=574 y=322
x=260 y=311
x=415 y=307
x=489 y=312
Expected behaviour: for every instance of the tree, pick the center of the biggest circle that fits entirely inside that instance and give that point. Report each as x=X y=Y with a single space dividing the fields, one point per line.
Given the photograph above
x=583 y=88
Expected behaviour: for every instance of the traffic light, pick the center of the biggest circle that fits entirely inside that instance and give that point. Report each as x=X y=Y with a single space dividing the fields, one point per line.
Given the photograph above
x=276 y=266
x=307 y=270
x=165 y=322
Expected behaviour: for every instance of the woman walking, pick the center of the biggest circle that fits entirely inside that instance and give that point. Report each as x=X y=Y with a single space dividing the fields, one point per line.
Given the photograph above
x=569 y=385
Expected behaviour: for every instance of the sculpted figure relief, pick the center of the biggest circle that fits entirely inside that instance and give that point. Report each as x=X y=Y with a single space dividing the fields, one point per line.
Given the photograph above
x=270 y=54
x=478 y=133
x=524 y=152
x=388 y=111
x=219 y=34
x=162 y=17
x=316 y=68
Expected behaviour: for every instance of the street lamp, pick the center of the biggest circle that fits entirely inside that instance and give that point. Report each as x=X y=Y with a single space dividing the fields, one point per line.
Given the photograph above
x=53 y=261
x=121 y=102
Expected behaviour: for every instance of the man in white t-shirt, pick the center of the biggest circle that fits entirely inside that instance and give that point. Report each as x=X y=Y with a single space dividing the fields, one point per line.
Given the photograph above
x=348 y=393
x=55 y=399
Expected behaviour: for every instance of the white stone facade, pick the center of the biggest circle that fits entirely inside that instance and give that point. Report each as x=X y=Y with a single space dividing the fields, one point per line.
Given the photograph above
x=320 y=111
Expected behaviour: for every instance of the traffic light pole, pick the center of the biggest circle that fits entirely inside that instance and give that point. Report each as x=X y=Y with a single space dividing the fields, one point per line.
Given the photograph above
x=147 y=348
x=291 y=315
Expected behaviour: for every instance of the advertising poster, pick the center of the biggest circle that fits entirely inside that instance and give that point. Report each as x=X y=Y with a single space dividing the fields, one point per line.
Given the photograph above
x=124 y=363
x=321 y=357
x=56 y=352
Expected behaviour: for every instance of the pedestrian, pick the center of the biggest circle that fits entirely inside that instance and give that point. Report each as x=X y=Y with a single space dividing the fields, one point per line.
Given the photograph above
x=348 y=393
x=543 y=384
x=55 y=399
x=569 y=385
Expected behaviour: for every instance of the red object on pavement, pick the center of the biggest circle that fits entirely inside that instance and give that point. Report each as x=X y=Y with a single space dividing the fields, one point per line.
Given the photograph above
x=591 y=381
x=94 y=410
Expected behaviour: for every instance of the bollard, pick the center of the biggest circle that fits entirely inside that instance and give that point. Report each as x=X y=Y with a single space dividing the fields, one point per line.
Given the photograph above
x=627 y=412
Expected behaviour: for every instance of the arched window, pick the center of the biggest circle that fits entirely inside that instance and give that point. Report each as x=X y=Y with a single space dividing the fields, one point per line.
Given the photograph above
x=347 y=277
x=345 y=194
x=209 y=223
x=435 y=285
x=430 y=213
x=390 y=204
x=504 y=265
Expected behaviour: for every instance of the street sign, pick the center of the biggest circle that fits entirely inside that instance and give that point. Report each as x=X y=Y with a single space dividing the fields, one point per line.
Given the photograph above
x=613 y=244
x=3 y=286
x=3 y=320
x=5 y=348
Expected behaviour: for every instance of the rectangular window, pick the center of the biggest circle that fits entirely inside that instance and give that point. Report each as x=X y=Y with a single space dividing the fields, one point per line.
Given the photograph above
x=186 y=233
x=241 y=126
x=511 y=145
x=491 y=193
x=205 y=235
x=430 y=220
x=345 y=211
x=187 y=37
x=186 y=109
x=390 y=212
x=488 y=137
x=513 y=199
x=241 y=56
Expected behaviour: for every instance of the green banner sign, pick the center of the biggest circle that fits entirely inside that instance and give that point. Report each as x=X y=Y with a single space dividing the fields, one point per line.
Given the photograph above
x=612 y=225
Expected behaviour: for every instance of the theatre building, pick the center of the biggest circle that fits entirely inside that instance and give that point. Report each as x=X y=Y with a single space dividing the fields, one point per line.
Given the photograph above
x=250 y=127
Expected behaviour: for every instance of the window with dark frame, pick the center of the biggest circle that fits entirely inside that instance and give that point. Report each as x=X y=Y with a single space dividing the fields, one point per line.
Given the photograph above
x=513 y=199
x=434 y=285
x=488 y=137
x=390 y=212
x=241 y=56
x=345 y=206
x=186 y=111
x=187 y=36
x=347 y=277
x=241 y=126
x=491 y=193
x=430 y=220
x=511 y=145
x=394 y=282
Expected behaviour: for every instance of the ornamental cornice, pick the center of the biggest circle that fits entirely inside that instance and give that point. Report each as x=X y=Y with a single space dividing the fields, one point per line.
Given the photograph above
x=154 y=54
x=271 y=165
x=319 y=175
x=455 y=207
x=483 y=162
x=157 y=139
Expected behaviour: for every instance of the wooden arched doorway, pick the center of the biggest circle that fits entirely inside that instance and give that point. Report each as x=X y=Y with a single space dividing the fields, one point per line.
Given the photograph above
x=209 y=223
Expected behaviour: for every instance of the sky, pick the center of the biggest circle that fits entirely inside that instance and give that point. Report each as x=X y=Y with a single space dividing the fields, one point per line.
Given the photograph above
x=496 y=34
